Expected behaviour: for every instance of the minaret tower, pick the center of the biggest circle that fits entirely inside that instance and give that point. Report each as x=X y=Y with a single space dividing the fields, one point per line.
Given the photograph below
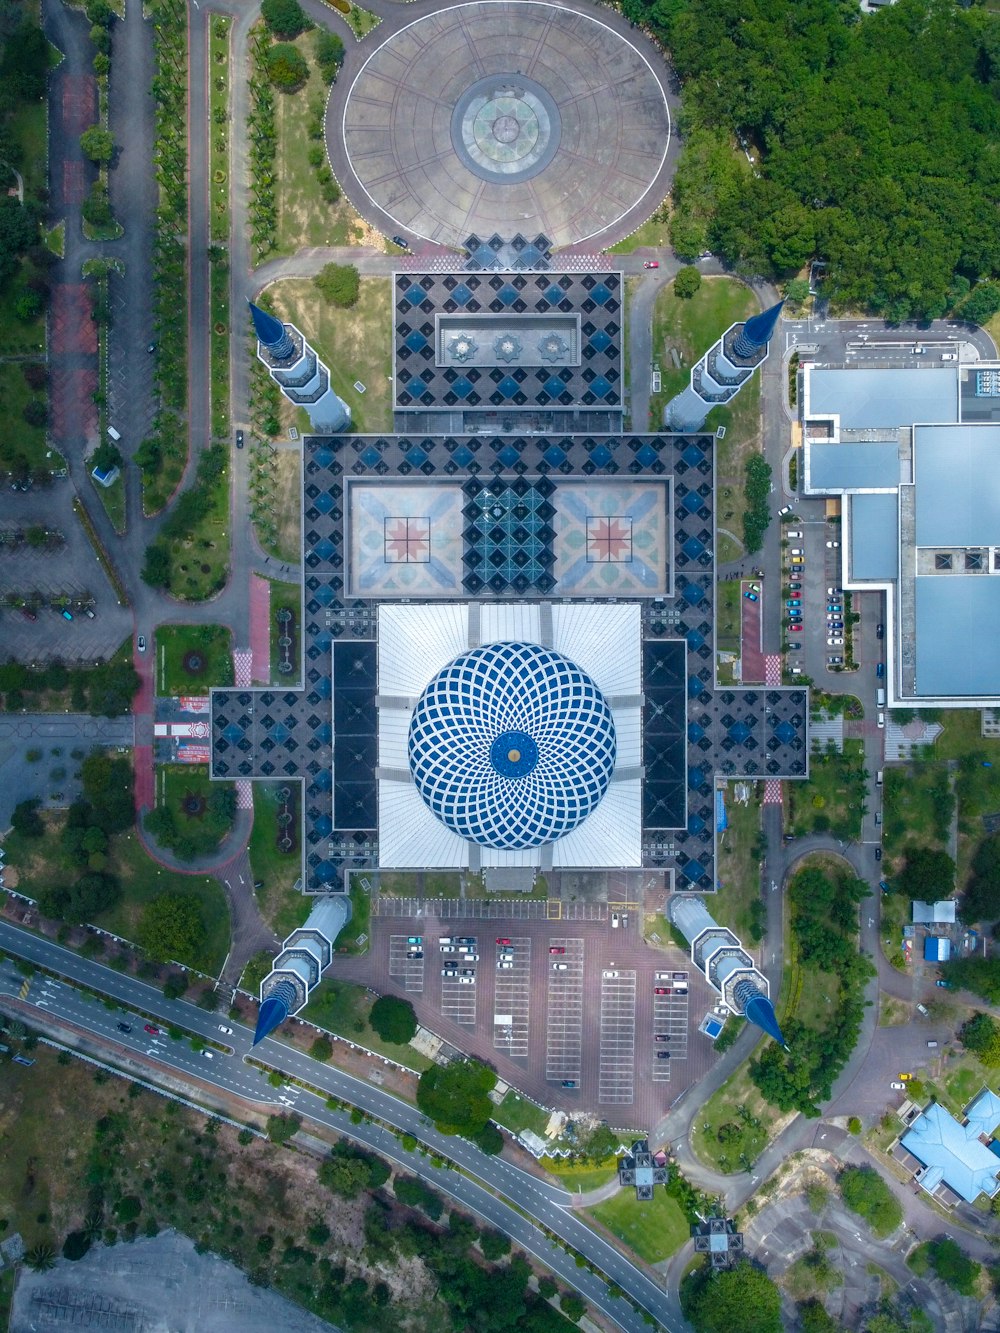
x=726 y=965
x=301 y=375
x=722 y=371
x=305 y=955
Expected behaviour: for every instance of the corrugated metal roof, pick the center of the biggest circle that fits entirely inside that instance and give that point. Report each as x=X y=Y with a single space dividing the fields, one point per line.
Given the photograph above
x=414 y=647
x=874 y=529
x=844 y=467
x=874 y=398
x=938 y=1141
x=958 y=485
x=957 y=635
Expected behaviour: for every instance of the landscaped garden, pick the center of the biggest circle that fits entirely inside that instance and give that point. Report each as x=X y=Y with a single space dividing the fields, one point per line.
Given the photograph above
x=734 y=1126
x=190 y=558
x=286 y=624
x=738 y=903
x=192 y=813
x=833 y=799
x=190 y=659
x=654 y=1229
x=344 y=1008
x=282 y=905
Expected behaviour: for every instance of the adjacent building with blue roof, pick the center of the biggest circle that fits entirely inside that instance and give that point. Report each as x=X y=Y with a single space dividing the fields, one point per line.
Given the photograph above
x=954 y=1155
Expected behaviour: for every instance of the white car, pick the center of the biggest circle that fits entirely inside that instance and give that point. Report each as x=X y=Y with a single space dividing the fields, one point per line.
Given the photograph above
x=505 y=963
x=794 y=535
x=467 y=981
x=832 y=546
x=560 y=967
x=209 y=1055
x=797 y=550
x=227 y=1031
x=614 y=921
x=898 y=1087
x=834 y=592
x=835 y=643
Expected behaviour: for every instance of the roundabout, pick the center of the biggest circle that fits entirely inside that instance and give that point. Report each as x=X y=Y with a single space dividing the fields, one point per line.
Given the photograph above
x=503 y=116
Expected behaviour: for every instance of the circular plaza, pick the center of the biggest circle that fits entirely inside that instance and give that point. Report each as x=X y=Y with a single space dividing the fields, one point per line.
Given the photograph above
x=503 y=116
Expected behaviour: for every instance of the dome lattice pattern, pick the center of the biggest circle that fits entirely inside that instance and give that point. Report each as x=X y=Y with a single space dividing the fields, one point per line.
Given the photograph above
x=511 y=745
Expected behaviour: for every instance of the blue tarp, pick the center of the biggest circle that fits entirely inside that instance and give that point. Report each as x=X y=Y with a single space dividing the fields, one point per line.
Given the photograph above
x=721 y=822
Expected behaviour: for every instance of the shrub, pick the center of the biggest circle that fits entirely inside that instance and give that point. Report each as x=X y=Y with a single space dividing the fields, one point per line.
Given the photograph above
x=97 y=144
x=866 y=1193
x=286 y=67
x=393 y=1019
x=339 y=284
x=329 y=51
x=687 y=282
x=284 y=18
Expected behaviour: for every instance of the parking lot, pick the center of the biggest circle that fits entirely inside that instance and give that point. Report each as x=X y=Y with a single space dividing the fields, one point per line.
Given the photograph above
x=812 y=616
x=565 y=1009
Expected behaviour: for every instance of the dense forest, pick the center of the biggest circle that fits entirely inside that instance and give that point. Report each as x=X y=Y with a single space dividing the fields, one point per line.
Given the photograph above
x=875 y=142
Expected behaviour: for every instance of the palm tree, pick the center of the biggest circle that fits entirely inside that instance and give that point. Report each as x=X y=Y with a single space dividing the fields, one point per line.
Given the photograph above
x=40 y=1257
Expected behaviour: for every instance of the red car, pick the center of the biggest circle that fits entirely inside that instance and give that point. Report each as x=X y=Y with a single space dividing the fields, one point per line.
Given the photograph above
x=556 y=948
x=500 y=941
x=153 y=1032
x=651 y=263
x=660 y=990
x=796 y=628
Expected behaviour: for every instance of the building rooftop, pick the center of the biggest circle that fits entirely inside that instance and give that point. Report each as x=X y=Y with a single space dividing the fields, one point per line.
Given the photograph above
x=954 y=506
x=952 y=1152
x=872 y=465
x=939 y=913
x=873 y=524
x=880 y=398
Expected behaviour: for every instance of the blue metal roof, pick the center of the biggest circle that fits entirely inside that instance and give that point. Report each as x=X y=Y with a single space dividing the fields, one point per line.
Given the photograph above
x=511 y=745
x=953 y=1152
x=874 y=536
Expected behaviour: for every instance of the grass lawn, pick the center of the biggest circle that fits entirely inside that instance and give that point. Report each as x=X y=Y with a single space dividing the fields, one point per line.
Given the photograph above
x=654 y=232
x=283 y=493
x=214 y=646
x=421 y=884
x=917 y=805
x=282 y=906
x=285 y=596
x=20 y=440
x=19 y=336
x=354 y=937
x=219 y=377
x=832 y=798
x=579 y=1179
x=354 y=343
x=362 y=21
x=304 y=216
x=144 y=880
x=516 y=1113
x=113 y=499
x=28 y=125
x=654 y=1229
x=200 y=558
x=727 y=615
x=182 y=785
x=343 y=1008
x=741 y=1135
x=738 y=864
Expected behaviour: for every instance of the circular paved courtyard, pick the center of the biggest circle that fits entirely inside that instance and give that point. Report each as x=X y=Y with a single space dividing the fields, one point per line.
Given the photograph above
x=504 y=116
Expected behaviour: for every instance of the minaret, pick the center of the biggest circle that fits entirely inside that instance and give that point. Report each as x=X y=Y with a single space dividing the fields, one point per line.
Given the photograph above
x=722 y=371
x=304 y=957
x=726 y=965
x=298 y=371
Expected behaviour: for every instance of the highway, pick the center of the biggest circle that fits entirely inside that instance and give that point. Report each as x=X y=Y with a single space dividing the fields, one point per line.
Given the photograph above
x=549 y=1205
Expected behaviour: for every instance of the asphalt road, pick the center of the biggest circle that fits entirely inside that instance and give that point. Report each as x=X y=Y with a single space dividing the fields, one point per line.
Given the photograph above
x=548 y=1205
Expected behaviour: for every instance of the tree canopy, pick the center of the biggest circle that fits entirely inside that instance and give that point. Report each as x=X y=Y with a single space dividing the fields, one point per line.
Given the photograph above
x=981 y=899
x=393 y=1019
x=866 y=1193
x=286 y=67
x=285 y=18
x=742 y=1297
x=455 y=1096
x=871 y=137
x=97 y=144
x=171 y=926
x=339 y=284
x=927 y=874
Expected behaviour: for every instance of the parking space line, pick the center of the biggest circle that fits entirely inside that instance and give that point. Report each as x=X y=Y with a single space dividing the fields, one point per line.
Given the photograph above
x=458 y=987
x=616 y=1074
x=670 y=1019
x=512 y=1000
x=564 y=1021
x=408 y=970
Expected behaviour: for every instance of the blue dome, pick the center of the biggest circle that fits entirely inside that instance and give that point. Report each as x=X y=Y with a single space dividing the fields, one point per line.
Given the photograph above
x=512 y=745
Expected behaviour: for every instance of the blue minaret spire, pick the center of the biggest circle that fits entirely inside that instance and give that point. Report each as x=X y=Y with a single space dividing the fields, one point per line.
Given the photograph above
x=297 y=969
x=725 y=964
x=271 y=333
x=757 y=331
x=723 y=370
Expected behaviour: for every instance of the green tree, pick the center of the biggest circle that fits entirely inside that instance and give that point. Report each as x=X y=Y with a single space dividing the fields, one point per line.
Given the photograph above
x=489 y=1140
x=157 y=569
x=284 y=18
x=329 y=51
x=107 y=785
x=281 y=1128
x=455 y=1096
x=866 y=1193
x=347 y=1176
x=76 y=1245
x=171 y=926
x=687 y=282
x=573 y=1306
x=97 y=144
x=981 y=1035
x=286 y=67
x=740 y=1297
x=393 y=1019
x=26 y=820
x=814 y=1318
x=128 y=1208
x=339 y=284
x=99 y=12
x=952 y=1265
x=494 y=1245
x=927 y=874
x=321 y=1049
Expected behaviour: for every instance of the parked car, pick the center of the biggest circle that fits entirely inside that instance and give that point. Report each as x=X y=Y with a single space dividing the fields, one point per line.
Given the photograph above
x=403 y=244
x=795 y=587
x=505 y=964
x=569 y=1082
x=834 y=592
x=660 y=990
x=67 y=615
x=832 y=546
x=414 y=939
x=560 y=967
x=835 y=661
x=466 y=939
x=651 y=263
x=794 y=534
x=239 y=439
x=796 y=628
x=502 y=941
x=90 y=613
x=898 y=1087
x=905 y=1078
x=880 y=671
x=28 y=614
x=750 y=596
x=835 y=608
x=785 y=509
x=945 y=985
x=878 y=857
x=880 y=631
x=140 y=643
x=798 y=562
x=794 y=647
x=661 y=1036
x=834 y=642
x=614 y=921
x=797 y=550
x=414 y=953
x=793 y=601
x=663 y=1055
x=556 y=948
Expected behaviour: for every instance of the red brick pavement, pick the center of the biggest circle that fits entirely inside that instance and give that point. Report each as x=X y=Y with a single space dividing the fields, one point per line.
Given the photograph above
x=73 y=330
x=74 y=183
x=260 y=627
x=79 y=103
x=74 y=411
